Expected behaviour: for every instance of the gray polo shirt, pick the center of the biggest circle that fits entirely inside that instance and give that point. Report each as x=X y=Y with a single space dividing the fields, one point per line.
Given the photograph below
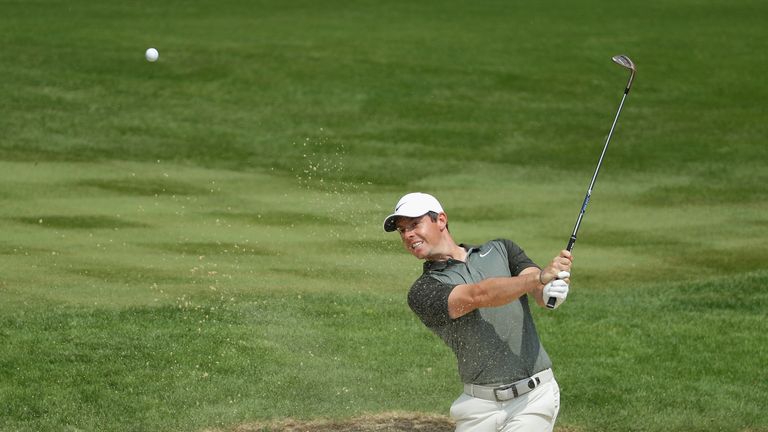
x=495 y=345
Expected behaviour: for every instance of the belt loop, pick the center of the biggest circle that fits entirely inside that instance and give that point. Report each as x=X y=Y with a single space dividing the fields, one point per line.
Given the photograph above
x=534 y=382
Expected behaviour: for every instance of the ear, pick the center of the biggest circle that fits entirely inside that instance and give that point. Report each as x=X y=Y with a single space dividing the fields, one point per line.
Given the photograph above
x=442 y=221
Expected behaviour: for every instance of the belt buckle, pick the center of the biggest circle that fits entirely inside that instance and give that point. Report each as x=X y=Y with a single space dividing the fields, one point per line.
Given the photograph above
x=505 y=389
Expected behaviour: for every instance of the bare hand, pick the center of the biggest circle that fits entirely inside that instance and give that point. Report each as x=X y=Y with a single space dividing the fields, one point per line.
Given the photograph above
x=561 y=263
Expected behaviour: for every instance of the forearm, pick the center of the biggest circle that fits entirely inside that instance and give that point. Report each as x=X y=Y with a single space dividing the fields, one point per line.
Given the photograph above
x=500 y=291
x=494 y=292
x=537 y=292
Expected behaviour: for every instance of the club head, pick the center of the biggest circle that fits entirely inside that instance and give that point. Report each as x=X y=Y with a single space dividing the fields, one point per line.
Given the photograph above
x=625 y=62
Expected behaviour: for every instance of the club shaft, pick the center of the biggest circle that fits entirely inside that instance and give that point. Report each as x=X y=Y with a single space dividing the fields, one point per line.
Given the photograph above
x=572 y=240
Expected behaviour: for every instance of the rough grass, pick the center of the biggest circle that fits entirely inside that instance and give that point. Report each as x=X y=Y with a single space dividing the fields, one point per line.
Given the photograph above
x=379 y=422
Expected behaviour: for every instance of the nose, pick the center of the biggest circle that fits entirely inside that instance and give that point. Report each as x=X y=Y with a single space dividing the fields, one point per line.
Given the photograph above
x=407 y=235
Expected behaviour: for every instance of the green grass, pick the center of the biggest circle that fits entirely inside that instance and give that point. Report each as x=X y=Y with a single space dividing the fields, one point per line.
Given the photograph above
x=196 y=243
x=665 y=356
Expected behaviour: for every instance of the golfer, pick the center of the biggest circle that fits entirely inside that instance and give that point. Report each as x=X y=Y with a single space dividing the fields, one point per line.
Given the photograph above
x=476 y=299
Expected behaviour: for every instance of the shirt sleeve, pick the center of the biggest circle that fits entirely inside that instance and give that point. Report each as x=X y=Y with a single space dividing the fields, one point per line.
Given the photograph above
x=428 y=299
x=518 y=260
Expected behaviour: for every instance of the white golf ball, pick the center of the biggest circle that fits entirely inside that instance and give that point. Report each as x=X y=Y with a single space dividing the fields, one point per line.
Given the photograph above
x=151 y=54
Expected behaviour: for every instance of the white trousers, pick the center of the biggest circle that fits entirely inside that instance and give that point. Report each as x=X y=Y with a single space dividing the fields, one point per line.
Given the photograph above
x=532 y=412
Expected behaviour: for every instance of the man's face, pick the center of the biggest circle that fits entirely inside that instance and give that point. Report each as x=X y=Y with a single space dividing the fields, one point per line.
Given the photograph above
x=420 y=235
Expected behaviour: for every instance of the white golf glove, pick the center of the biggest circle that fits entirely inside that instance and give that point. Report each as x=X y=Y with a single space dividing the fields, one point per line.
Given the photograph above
x=557 y=288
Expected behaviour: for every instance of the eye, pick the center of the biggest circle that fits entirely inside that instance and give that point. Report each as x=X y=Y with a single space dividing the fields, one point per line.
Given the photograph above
x=409 y=227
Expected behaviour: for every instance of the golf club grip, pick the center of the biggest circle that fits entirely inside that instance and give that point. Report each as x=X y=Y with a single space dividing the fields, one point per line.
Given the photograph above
x=551 y=302
x=571 y=242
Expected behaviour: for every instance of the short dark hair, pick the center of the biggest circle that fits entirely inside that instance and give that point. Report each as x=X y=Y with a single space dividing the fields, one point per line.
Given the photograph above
x=433 y=215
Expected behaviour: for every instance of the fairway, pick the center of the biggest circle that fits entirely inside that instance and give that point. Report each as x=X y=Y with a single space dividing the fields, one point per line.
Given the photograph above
x=195 y=244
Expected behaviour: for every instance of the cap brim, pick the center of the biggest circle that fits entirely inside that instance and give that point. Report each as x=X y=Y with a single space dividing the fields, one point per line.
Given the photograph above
x=390 y=223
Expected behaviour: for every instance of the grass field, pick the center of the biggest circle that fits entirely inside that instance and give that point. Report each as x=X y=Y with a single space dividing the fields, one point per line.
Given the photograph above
x=196 y=244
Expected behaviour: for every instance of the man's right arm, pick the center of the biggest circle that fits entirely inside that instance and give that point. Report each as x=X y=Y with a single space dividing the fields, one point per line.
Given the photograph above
x=499 y=291
x=490 y=293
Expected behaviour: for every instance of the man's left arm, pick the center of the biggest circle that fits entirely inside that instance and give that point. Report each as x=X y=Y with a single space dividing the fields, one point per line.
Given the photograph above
x=538 y=292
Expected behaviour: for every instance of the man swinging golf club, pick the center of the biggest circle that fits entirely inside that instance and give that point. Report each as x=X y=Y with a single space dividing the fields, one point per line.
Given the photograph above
x=476 y=299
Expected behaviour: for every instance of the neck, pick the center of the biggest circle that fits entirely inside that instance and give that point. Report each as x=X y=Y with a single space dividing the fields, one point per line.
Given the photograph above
x=453 y=251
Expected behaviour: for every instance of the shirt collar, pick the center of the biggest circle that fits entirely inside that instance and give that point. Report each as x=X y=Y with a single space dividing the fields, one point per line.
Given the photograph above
x=441 y=265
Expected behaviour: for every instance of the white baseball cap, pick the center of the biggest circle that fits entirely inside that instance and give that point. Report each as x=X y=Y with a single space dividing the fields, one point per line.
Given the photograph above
x=412 y=205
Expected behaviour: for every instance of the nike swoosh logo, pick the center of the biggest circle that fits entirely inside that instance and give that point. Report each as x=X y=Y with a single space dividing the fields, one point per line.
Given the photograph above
x=482 y=255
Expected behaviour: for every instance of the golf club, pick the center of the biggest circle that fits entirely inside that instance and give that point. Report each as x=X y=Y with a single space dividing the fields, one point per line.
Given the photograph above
x=624 y=62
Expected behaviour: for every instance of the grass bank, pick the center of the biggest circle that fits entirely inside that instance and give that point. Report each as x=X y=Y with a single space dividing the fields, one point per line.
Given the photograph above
x=195 y=243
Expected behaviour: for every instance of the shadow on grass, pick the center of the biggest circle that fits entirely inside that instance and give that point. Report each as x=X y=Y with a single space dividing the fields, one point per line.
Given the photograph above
x=79 y=222
x=214 y=248
x=144 y=187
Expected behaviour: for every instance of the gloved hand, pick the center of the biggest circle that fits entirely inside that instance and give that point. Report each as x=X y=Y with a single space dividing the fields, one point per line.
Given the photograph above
x=558 y=288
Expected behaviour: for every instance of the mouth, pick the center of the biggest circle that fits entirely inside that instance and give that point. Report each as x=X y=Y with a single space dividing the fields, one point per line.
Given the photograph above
x=416 y=245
